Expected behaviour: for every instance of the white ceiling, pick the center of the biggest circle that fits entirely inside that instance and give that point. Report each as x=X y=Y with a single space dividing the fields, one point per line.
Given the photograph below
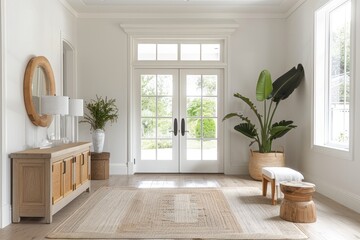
x=171 y=2
x=88 y=8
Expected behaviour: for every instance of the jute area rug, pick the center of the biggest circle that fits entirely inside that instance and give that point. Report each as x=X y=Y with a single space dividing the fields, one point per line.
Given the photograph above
x=201 y=213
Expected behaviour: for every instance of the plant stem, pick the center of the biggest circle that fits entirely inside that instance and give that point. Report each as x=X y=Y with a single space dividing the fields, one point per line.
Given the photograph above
x=265 y=114
x=264 y=129
x=272 y=115
x=269 y=119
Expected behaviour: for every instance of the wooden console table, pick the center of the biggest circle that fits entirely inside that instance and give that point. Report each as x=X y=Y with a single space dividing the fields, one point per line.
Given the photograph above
x=46 y=180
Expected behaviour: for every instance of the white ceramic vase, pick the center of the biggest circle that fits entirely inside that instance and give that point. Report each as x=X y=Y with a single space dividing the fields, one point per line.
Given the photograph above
x=98 y=138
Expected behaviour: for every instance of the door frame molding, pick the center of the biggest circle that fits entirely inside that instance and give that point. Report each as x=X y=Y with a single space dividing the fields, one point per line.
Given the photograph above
x=5 y=209
x=133 y=65
x=69 y=84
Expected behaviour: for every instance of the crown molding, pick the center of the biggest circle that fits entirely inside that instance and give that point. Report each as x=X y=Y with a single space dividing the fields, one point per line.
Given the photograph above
x=179 y=16
x=69 y=8
x=209 y=15
x=180 y=29
x=294 y=8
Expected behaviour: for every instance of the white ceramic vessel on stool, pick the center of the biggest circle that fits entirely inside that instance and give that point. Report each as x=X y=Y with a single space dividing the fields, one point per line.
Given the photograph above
x=98 y=139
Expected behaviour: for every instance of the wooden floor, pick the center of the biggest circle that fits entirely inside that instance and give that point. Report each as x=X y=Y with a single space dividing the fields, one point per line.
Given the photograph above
x=334 y=221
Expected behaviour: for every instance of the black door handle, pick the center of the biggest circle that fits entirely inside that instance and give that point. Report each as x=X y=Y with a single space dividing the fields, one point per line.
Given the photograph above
x=175 y=127
x=175 y=131
x=182 y=127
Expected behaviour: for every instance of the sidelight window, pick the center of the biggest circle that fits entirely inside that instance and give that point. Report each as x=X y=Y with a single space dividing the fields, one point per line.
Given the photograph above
x=333 y=75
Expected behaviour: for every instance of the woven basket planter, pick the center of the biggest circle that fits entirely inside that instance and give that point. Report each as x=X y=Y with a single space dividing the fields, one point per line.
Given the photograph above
x=259 y=160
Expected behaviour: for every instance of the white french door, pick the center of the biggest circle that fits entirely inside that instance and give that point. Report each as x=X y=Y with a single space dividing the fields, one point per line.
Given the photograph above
x=156 y=107
x=178 y=120
x=200 y=113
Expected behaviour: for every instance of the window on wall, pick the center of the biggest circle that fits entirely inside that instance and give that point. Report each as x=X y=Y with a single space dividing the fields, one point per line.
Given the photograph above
x=176 y=51
x=333 y=75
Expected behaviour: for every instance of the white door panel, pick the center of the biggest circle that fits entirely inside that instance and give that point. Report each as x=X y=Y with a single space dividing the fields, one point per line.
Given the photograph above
x=201 y=111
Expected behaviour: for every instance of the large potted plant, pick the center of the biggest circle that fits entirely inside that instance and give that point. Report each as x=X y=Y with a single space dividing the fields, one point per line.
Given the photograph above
x=100 y=112
x=271 y=94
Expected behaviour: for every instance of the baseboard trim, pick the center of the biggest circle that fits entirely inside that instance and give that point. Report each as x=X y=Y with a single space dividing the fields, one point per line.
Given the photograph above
x=346 y=198
x=240 y=169
x=118 y=169
x=6 y=215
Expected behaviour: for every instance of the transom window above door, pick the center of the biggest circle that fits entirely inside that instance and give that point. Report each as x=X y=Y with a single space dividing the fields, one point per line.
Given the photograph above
x=179 y=51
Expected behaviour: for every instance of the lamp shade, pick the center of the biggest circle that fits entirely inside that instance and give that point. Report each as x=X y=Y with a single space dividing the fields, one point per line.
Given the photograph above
x=55 y=105
x=76 y=107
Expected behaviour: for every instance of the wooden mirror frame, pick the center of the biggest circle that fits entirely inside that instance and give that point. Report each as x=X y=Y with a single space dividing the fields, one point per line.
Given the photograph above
x=33 y=64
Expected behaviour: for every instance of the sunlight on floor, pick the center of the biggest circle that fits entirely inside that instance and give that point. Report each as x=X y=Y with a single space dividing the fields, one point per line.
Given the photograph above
x=174 y=184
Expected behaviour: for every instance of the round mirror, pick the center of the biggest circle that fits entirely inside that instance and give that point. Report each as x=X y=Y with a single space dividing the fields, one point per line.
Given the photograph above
x=38 y=81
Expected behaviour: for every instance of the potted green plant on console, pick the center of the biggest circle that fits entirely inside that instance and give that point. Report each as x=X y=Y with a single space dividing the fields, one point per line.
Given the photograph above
x=101 y=111
x=271 y=94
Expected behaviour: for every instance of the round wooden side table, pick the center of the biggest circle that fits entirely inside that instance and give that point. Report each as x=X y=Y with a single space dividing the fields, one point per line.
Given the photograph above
x=297 y=205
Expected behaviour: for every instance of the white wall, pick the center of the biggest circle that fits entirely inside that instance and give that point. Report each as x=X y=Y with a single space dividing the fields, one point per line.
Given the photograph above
x=102 y=71
x=257 y=44
x=32 y=28
x=335 y=177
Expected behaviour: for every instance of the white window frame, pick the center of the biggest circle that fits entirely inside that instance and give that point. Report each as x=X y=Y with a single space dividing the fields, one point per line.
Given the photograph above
x=221 y=62
x=321 y=69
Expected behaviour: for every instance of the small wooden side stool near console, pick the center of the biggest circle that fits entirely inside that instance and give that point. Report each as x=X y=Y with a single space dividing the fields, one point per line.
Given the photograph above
x=297 y=205
x=100 y=165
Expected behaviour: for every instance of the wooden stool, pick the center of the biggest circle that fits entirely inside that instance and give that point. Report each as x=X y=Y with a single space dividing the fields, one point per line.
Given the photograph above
x=274 y=175
x=297 y=205
x=100 y=166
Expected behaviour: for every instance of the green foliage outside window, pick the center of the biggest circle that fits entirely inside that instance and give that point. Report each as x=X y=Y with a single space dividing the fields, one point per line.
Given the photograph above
x=154 y=106
x=208 y=109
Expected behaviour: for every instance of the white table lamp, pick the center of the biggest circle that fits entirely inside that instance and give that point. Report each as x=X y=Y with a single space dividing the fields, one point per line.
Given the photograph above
x=55 y=105
x=76 y=109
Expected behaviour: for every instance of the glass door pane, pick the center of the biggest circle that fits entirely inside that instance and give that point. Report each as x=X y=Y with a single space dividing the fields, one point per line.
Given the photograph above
x=156 y=117
x=201 y=115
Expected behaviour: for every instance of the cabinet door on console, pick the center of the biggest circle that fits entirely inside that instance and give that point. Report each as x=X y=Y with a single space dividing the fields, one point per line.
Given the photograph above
x=78 y=163
x=68 y=176
x=85 y=167
x=57 y=182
